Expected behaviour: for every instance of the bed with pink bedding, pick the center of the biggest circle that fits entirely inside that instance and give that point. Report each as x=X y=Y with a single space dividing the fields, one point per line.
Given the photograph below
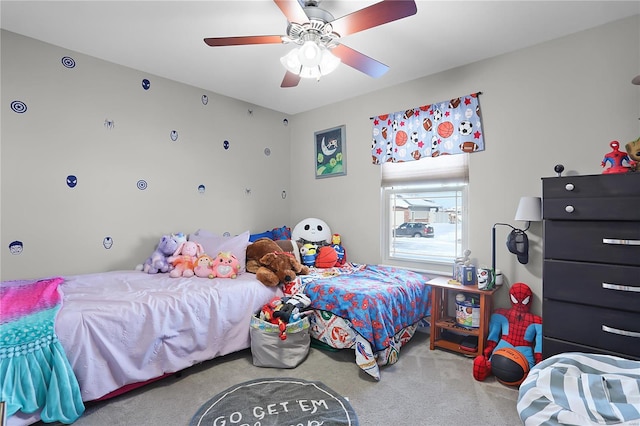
x=122 y=328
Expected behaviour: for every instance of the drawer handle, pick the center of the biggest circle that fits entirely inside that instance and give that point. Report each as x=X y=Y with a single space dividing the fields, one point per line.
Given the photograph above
x=621 y=287
x=619 y=242
x=569 y=187
x=569 y=209
x=612 y=330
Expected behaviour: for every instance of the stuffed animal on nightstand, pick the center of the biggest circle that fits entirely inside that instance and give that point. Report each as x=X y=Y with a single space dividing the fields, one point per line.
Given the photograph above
x=184 y=259
x=225 y=265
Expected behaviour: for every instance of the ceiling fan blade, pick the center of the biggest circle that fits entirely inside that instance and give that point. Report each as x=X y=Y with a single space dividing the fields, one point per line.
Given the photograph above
x=360 y=61
x=235 y=41
x=290 y=80
x=377 y=14
x=292 y=10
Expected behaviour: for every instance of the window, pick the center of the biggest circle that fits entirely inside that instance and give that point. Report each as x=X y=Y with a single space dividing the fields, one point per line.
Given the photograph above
x=424 y=212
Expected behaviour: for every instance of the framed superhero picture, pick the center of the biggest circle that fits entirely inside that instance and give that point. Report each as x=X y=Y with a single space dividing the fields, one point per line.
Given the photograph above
x=330 y=149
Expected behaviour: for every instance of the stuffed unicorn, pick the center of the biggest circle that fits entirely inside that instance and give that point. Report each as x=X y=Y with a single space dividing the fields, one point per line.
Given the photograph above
x=157 y=262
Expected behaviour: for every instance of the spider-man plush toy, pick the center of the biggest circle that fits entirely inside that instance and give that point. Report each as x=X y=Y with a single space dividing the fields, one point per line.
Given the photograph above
x=512 y=328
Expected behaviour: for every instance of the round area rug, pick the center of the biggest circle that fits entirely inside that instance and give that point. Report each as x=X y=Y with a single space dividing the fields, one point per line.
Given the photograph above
x=276 y=401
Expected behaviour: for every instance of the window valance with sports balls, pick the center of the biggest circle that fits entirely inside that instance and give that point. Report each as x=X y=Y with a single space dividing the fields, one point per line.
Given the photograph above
x=442 y=128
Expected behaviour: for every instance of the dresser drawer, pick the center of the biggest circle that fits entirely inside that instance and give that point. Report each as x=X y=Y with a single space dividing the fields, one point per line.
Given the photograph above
x=593 y=241
x=552 y=347
x=596 y=208
x=592 y=186
x=610 y=286
x=617 y=331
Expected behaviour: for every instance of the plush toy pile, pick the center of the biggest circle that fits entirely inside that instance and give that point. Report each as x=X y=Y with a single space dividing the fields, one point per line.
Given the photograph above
x=283 y=310
x=278 y=258
x=181 y=258
x=319 y=247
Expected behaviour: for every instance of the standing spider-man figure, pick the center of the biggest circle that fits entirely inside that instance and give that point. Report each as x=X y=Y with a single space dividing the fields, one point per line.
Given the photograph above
x=512 y=328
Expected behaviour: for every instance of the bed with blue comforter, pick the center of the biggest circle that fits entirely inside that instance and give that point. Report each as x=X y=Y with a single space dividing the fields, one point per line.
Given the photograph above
x=372 y=309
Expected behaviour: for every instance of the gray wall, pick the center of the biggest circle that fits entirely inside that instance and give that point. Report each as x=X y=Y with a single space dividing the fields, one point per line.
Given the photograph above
x=558 y=102
x=63 y=133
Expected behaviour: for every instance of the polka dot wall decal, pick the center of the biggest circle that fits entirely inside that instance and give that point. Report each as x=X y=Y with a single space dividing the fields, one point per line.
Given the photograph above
x=267 y=152
x=107 y=242
x=19 y=107
x=285 y=122
x=225 y=144
x=142 y=184
x=205 y=99
x=284 y=194
x=16 y=247
x=174 y=135
x=72 y=181
x=201 y=189
x=146 y=84
x=226 y=234
x=68 y=62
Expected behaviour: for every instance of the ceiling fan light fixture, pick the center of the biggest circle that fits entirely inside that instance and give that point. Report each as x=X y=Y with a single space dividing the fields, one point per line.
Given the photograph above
x=311 y=60
x=310 y=54
x=329 y=62
x=310 y=72
x=291 y=61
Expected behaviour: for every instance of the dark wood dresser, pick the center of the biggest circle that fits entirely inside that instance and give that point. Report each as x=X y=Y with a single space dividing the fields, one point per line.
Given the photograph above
x=591 y=272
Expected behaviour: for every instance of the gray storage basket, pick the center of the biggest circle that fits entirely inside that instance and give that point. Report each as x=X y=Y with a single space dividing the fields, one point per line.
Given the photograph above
x=269 y=350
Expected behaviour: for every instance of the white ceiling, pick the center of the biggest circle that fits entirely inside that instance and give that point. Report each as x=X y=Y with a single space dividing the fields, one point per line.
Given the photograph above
x=165 y=38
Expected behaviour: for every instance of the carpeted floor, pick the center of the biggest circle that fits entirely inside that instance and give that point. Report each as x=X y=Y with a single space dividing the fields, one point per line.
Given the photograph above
x=424 y=388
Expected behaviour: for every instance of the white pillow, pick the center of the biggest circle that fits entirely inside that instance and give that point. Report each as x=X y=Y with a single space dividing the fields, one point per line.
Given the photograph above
x=214 y=244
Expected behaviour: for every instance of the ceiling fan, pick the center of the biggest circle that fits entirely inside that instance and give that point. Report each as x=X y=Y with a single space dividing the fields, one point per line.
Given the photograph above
x=317 y=33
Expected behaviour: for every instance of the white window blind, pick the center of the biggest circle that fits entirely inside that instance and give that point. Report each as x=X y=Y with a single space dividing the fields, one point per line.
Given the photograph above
x=444 y=169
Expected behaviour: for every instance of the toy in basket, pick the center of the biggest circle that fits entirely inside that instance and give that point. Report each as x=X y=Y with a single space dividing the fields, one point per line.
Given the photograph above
x=280 y=332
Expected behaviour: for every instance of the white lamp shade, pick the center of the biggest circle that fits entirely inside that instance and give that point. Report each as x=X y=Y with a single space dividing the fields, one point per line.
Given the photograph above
x=310 y=54
x=329 y=62
x=310 y=61
x=291 y=61
x=529 y=209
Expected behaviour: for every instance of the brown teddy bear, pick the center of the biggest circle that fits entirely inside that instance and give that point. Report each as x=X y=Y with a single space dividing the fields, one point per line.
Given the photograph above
x=276 y=268
x=260 y=247
x=256 y=250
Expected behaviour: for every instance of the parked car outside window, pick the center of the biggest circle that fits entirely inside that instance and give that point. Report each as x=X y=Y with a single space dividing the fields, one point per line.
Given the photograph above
x=414 y=229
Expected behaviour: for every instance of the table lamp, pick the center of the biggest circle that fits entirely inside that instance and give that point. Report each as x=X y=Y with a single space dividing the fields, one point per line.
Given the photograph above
x=529 y=210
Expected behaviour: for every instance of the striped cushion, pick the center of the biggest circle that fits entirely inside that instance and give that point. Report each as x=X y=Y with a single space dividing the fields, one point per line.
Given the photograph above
x=581 y=389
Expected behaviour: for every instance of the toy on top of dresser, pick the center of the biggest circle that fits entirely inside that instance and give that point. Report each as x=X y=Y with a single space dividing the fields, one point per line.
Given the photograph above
x=633 y=150
x=616 y=160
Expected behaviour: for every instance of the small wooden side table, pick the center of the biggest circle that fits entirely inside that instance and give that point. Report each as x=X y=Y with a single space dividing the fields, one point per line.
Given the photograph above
x=440 y=319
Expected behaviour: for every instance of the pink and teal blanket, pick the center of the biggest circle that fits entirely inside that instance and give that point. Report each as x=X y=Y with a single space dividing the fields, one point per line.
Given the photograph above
x=35 y=373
